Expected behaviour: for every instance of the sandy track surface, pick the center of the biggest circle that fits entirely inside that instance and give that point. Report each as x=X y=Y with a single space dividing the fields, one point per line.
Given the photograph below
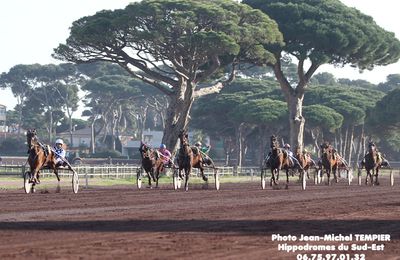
x=235 y=222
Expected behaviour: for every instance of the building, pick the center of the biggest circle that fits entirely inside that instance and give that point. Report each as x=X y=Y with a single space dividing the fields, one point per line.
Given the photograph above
x=152 y=138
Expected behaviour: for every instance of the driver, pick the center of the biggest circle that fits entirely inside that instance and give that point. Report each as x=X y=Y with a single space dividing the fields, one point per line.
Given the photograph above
x=59 y=152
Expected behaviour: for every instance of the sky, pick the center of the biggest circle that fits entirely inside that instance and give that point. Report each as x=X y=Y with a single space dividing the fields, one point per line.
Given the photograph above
x=30 y=30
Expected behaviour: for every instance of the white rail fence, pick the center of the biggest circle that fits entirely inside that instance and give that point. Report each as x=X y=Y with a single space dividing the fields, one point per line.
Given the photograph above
x=127 y=171
x=123 y=171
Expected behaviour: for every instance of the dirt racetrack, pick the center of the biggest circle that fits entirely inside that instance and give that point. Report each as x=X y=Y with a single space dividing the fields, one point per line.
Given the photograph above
x=236 y=222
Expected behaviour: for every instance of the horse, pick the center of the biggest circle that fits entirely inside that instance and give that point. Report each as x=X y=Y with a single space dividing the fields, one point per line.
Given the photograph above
x=152 y=163
x=189 y=158
x=40 y=156
x=329 y=161
x=278 y=160
x=372 y=162
x=305 y=160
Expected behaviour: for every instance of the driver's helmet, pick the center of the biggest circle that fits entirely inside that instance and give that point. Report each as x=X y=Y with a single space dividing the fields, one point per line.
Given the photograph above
x=287 y=146
x=59 y=141
x=163 y=146
x=198 y=144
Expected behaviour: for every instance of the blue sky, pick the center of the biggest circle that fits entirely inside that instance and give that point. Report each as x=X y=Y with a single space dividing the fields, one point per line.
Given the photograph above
x=31 y=29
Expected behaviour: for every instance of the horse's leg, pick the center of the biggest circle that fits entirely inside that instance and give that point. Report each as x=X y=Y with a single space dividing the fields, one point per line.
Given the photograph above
x=202 y=173
x=35 y=174
x=328 y=175
x=55 y=170
x=149 y=176
x=287 y=179
x=277 y=174
x=366 y=178
x=272 y=177
x=334 y=174
x=160 y=169
x=180 y=172
x=187 y=173
x=376 y=176
x=372 y=176
x=157 y=176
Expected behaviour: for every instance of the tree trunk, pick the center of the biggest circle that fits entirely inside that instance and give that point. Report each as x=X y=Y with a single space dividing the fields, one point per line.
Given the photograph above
x=296 y=120
x=92 y=137
x=346 y=137
x=177 y=117
x=142 y=121
x=315 y=133
x=351 y=144
x=50 y=125
x=70 y=131
x=340 y=141
x=239 y=144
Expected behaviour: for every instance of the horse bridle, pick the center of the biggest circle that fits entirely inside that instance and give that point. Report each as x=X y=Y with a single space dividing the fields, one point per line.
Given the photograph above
x=146 y=152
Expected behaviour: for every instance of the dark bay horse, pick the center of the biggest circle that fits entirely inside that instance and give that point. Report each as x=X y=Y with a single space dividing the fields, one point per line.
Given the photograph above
x=189 y=158
x=152 y=163
x=278 y=160
x=40 y=156
x=372 y=162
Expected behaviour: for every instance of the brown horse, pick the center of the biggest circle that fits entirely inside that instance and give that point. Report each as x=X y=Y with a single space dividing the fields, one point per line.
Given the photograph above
x=40 y=156
x=305 y=160
x=330 y=161
x=189 y=158
x=372 y=162
x=278 y=160
x=152 y=163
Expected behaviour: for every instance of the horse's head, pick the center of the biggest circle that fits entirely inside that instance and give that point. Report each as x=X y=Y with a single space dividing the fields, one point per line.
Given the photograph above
x=145 y=151
x=274 y=142
x=326 y=151
x=371 y=147
x=31 y=136
x=326 y=148
x=297 y=151
x=183 y=138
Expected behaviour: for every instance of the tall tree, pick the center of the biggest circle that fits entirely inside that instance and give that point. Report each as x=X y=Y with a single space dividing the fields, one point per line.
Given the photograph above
x=392 y=82
x=20 y=80
x=106 y=97
x=192 y=38
x=44 y=89
x=320 y=119
x=320 y=32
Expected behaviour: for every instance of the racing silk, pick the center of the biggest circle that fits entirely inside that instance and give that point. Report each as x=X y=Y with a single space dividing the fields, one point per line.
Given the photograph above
x=166 y=155
x=205 y=149
x=60 y=153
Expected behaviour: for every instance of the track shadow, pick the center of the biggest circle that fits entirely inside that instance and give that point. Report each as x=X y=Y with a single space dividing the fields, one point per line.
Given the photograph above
x=241 y=227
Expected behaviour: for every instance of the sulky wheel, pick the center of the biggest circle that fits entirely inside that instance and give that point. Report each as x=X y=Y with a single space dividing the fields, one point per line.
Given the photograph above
x=216 y=176
x=303 y=180
x=75 y=182
x=139 y=174
x=28 y=186
x=349 y=176
x=359 y=177
x=176 y=180
x=391 y=177
x=263 y=179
